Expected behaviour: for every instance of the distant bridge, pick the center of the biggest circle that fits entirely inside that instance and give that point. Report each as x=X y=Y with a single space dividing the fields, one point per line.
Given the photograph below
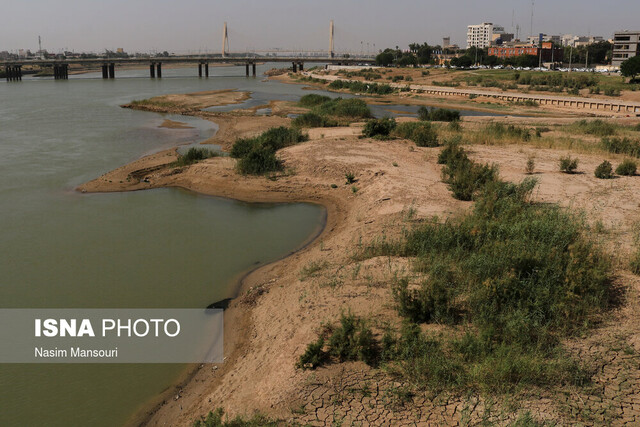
x=13 y=69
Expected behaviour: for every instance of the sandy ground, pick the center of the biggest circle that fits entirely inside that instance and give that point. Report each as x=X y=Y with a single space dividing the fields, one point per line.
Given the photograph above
x=279 y=310
x=480 y=103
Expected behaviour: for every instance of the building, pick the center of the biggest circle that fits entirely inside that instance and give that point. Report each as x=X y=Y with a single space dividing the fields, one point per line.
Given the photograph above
x=541 y=38
x=569 y=40
x=626 y=44
x=548 y=52
x=482 y=35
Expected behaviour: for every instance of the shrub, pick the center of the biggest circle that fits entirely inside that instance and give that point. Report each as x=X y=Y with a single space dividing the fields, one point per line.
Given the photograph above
x=622 y=146
x=531 y=165
x=627 y=168
x=422 y=133
x=499 y=131
x=350 y=108
x=521 y=274
x=604 y=170
x=378 y=127
x=312 y=99
x=194 y=155
x=438 y=114
x=452 y=153
x=215 y=419
x=455 y=126
x=258 y=161
x=350 y=177
x=257 y=155
x=464 y=176
x=313 y=356
x=634 y=263
x=350 y=340
x=596 y=127
x=313 y=120
x=568 y=165
x=361 y=87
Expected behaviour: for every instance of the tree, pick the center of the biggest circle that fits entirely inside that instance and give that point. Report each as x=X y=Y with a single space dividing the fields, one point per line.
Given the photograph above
x=631 y=67
x=385 y=58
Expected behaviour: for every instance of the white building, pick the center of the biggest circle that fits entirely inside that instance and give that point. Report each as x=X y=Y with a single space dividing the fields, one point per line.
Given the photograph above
x=482 y=35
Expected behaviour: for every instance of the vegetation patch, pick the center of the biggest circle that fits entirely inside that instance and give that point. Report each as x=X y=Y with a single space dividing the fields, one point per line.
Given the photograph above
x=350 y=340
x=257 y=156
x=362 y=87
x=194 y=155
x=380 y=128
x=438 y=114
x=464 y=176
x=594 y=127
x=216 y=419
x=423 y=134
x=313 y=120
x=515 y=277
x=627 y=168
x=626 y=146
x=604 y=170
x=568 y=164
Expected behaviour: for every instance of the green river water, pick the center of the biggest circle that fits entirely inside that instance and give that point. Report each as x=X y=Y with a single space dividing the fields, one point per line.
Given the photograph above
x=164 y=248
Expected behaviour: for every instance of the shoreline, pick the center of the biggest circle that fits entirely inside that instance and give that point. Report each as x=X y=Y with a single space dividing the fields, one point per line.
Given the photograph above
x=260 y=344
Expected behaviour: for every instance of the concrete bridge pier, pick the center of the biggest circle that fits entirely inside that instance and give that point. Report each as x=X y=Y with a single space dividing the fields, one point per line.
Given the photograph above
x=112 y=70
x=159 y=68
x=246 y=66
x=152 y=70
x=199 y=69
x=105 y=71
x=295 y=67
x=301 y=66
x=253 y=65
x=206 y=69
x=13 y=72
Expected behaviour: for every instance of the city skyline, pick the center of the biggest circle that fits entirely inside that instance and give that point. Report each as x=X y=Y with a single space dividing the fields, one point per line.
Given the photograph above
x=193 y=26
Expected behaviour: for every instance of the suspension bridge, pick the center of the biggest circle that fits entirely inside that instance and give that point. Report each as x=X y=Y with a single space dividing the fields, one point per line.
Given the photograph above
x=60 y=66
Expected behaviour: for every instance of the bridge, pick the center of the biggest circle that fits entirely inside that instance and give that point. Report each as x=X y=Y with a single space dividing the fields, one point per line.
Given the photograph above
x=13 y=69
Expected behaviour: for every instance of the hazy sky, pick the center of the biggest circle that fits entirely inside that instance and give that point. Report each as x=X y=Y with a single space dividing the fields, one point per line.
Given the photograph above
x=194 y=25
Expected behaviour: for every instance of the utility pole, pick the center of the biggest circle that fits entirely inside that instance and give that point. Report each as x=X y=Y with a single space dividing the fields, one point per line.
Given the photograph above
x=586 y=63
x=570 y=57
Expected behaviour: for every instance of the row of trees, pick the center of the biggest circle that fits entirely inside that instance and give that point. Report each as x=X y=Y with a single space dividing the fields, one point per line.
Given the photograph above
x=420 y=54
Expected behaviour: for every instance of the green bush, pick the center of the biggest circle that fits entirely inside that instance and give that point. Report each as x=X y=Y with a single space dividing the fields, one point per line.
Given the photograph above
x=464 y=176
x=604 y=170
x=438 y=114
x=258 y=161
x=596 y=127
x=352 y=108
x=422 y=133
x=622 y=146
x=568 y=165
x=257 y=155
x=379 y=127
x=498 y=131
x=312 y=99
x=215 y=419
x=313 y=356
x=627 y=168
x=452 y=152
x=350 y=177
x=350 y=340
x=361 y=87
x=194 y=155
x=313 y=120
x=521 y=274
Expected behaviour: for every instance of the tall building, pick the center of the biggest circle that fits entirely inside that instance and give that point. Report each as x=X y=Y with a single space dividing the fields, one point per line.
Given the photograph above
x=482 y=35
x=626 y=44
